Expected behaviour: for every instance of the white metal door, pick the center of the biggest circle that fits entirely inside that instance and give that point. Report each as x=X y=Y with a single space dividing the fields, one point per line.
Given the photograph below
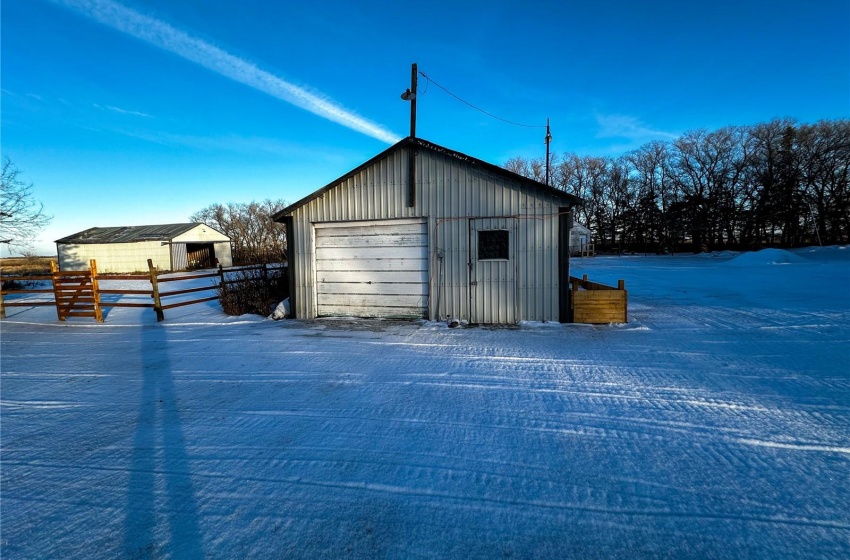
x=492 y=258
x=372 y=269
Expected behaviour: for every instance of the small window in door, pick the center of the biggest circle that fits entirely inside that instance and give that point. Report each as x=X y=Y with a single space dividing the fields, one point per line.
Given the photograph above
x=493 y=244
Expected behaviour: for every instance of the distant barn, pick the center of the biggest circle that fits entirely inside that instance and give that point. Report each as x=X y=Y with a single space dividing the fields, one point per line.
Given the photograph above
x=127 y=249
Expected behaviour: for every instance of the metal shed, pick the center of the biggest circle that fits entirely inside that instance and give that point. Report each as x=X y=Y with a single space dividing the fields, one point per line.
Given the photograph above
x=580 y=238
x=466 y=239
x=127 y=249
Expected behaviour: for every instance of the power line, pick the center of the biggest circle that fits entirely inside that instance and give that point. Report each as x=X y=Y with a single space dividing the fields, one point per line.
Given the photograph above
x=478 y=108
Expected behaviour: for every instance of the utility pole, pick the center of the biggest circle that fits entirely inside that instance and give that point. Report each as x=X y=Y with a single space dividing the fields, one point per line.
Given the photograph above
x=548 y=141
x=414 y=79
x=410 y=95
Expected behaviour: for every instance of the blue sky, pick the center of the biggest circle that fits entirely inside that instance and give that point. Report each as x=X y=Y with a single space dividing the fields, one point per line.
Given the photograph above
x=146 y=111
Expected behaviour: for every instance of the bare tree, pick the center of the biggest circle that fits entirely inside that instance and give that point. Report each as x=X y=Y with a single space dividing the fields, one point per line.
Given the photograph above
x=824 y=158
x=651 y=168
x=585 y=177
x=256 y=237
x=534 y=168
x=620 y=202
x=21 y=215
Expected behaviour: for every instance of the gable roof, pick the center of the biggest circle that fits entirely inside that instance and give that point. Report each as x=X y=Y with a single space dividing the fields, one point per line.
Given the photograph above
x=129 y=234
x=569 y=199
x=579 y=227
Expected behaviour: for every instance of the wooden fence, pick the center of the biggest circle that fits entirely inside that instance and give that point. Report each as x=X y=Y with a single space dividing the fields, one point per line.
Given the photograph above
x=79 y=293
x=596 y=303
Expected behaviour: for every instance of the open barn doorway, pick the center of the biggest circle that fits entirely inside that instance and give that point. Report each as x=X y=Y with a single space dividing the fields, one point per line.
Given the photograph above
x=200 y=255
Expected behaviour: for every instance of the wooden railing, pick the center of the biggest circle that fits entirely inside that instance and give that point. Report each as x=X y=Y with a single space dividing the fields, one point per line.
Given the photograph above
x=81 y=293
x=29 y=302
x=592 y=302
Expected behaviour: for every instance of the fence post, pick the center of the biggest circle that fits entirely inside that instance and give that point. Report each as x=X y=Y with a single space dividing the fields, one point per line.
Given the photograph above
x=157 y=302
x=54 y=273
x=222 y=284
x=95 y=289
x=574 y=285
x=621 y=285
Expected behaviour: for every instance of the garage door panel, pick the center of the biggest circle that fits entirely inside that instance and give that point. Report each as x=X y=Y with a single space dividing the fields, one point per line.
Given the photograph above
x=371 y=240
x=373 y=300
x=373 y=229
x=369 y=265
x=382 y=312
x=376 y=277
x=361 y=253
x=394 y=288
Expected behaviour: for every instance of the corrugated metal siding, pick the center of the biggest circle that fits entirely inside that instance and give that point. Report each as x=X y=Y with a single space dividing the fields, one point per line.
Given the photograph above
x=449 y=191
x=223 y=253
x=179 y=256
x=114 y=257
x=493 y=286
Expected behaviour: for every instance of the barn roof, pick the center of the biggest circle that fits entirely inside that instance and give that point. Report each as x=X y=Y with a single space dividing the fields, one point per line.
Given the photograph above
x=128 y=234
x=569 y=200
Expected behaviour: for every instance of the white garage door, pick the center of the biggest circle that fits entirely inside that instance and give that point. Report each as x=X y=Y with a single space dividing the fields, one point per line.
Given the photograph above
x=372 y=269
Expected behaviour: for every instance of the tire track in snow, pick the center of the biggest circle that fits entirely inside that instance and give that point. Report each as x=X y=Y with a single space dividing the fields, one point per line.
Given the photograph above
x=795 y=446
x=503 y=502
x=415 y=422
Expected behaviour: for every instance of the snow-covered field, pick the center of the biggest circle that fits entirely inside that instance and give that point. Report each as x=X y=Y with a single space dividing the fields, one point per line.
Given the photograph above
x=715 y=425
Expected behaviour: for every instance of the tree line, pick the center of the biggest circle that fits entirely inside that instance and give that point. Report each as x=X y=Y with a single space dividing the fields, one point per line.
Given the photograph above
x=254 y=236
x=775 y=184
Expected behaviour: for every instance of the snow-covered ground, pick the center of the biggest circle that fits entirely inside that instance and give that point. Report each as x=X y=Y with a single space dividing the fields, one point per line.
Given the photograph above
x=716 y=424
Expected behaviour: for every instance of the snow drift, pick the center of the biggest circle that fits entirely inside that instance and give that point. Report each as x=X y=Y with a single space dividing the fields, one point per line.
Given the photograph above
x=765 y=257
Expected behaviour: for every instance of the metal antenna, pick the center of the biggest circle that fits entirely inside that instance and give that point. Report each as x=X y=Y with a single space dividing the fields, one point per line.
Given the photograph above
x=548 y=141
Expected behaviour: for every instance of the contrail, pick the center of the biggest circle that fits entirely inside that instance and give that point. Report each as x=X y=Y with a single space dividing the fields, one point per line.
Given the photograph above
x=166 y=37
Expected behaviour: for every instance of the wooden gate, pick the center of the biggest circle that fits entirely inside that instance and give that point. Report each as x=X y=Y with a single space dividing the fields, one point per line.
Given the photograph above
x=76 y=292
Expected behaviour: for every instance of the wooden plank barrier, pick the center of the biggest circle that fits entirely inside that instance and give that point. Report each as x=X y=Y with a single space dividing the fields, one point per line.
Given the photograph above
x=596 y=303
x=75 y=292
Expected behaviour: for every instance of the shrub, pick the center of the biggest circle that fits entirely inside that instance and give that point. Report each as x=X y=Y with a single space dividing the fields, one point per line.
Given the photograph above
x=253 y=290
x=12 y=285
